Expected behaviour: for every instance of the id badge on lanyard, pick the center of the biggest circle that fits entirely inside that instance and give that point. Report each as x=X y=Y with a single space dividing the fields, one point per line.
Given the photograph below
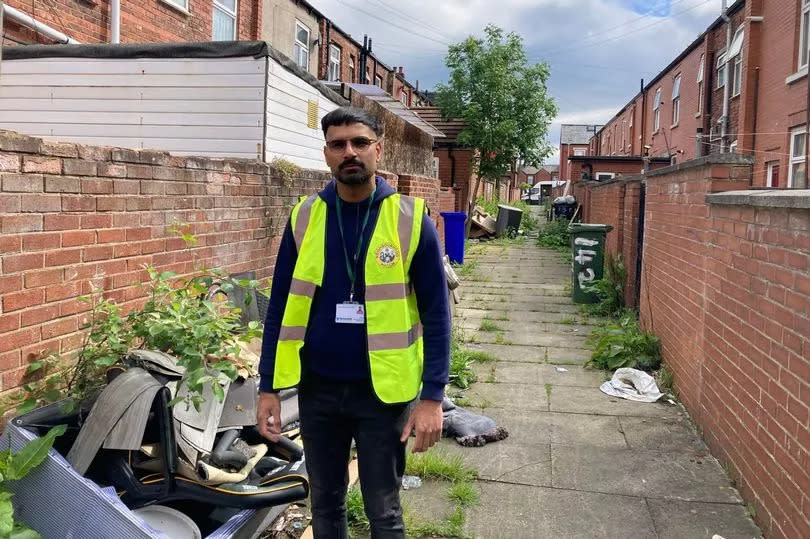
x=350 y=312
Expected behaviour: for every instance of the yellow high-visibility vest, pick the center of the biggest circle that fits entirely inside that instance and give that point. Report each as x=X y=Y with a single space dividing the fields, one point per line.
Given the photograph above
x=395 y=345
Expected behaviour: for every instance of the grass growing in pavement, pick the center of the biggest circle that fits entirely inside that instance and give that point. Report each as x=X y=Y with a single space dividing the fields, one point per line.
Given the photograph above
x=355 y=512
x=464 y=494
x=434 y=464
x=466 y=269
x=461 y=360
x=568 y=320
x=451 y=526
x=489 y=325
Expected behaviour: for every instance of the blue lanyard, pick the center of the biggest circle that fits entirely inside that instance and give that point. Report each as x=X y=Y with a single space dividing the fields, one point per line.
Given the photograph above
x=351 y=266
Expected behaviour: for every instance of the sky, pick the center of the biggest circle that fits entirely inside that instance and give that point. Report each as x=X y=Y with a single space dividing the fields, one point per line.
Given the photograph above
x=598 y=50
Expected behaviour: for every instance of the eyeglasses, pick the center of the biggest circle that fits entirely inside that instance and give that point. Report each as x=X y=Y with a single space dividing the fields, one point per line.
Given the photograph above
x=360 y=144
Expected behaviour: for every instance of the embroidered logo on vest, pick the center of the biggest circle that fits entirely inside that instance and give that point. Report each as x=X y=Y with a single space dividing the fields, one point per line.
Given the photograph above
x=386 y=255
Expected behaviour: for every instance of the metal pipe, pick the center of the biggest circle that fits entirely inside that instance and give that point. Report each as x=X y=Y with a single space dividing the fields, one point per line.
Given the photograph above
x=726 y=89
x=115 y=21
x=41 y=28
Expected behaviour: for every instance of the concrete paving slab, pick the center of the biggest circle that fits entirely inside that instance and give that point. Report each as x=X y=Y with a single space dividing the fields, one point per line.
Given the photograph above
x=518 y=512
x=537 y=428
x=430 y=499
x=562 y=324
x=526 y=339
x=661 y=434
x=531 y=354
x=473 y=314
x=499 y=303
x=508 y=461
x=696 y=520
x=527 y=373
x=517 y=301
x=633 y=472
x=524 y=397
x=567 y=356
x=592 y=401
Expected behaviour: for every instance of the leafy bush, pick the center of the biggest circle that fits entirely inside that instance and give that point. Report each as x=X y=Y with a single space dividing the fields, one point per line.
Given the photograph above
x=15 y=466
x=623 y=344
x=610 y=289
x=554 y=234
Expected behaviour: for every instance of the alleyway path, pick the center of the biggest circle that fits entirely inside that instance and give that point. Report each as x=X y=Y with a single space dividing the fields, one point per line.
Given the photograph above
x=577 y=463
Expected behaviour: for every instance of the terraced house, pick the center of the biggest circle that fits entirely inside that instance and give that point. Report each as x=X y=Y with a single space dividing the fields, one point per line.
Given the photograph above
x=741 y=86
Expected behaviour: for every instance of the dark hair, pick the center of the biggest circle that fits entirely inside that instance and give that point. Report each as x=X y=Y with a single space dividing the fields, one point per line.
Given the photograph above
x=351 y=115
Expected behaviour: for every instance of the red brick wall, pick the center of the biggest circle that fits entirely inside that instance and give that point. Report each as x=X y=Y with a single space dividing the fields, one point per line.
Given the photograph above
x=152 y=21
x=780 y=106
x=70 y=213
x=348 y=49
x=423 y=187
x=727 y=289
x=566 y=170
x=447 y=203
x=464 y=177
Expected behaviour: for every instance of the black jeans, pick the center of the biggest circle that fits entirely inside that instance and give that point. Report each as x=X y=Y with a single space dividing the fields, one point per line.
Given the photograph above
x=332 y=413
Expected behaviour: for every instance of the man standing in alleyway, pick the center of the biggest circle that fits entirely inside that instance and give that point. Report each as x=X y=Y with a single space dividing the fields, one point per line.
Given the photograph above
x=359 y=320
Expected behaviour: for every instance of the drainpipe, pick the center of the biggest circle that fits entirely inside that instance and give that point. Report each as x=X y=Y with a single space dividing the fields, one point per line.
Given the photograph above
x=115 y=21
x=643 y=117
x=29 y=22
x=726 y=92
x=328 y=49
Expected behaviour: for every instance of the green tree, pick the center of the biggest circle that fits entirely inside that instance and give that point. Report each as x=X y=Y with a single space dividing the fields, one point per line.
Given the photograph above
x=503 y=101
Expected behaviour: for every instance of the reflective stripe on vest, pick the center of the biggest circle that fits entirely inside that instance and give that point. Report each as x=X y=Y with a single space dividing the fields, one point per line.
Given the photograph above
x=395 y=344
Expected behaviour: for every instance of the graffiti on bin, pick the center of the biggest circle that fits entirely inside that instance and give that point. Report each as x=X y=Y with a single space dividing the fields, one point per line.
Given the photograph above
x=583 y=257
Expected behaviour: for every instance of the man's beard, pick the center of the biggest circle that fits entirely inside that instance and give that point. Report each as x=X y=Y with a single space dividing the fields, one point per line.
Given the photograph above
x=358 y=176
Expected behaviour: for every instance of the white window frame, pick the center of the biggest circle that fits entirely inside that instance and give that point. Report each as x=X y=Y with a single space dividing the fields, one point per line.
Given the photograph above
x=676 y=100
x=732 y=148
x=657 y=110
x=736 y=79
x=796 y=159
x=376 y=78
x=579 y=152
x=352 y=69
x=804 y=34
x=225 y=10
x=182 y=5
x=604 y=176
x=403 y=97
x=769 y=166
x=722 y=70
x=302 y=52
x=334 y=63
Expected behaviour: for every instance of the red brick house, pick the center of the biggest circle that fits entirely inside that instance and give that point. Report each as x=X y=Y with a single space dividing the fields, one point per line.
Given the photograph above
x=151 y=21
x=741 y=86
x=453 y=164
x=574 y=139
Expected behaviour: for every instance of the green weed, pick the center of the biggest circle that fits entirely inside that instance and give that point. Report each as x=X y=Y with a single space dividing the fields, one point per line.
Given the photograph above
x=464 y=494
x=488 y=325
x=434 y=464
x=554 y=235
x=623 y=344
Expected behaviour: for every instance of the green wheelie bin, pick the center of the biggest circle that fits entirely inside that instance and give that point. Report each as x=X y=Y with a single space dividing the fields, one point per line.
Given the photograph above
x=588 y=259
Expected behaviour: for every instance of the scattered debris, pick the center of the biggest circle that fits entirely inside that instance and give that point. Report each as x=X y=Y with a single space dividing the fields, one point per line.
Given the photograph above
x=632 y=384
x=483 y=224
x=410 y=482
x=469 y=429
x=290 y=524
x=562 y=369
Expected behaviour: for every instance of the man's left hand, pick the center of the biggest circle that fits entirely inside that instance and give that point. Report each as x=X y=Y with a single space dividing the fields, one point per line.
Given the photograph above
x=426 y=420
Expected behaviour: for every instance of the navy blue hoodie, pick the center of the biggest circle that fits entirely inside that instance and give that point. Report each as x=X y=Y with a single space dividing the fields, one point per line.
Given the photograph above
x=340 y=351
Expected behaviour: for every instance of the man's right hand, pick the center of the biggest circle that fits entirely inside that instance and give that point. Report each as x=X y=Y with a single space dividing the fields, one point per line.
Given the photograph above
x=268 y=416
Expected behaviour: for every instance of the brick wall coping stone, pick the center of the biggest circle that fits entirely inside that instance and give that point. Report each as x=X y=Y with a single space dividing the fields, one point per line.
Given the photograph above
x=616 y=179
x=774 y=198
x=713 y=159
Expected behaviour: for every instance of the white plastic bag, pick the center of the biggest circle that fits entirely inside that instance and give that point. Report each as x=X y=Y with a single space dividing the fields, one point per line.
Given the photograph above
x=632 y=384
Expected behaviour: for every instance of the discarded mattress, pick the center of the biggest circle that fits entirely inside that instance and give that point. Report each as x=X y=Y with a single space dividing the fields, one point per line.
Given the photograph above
x=469 y=429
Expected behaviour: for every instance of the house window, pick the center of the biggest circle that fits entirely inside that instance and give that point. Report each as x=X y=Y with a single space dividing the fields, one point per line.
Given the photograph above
x=579 y=151
x=700 y=82
x=224 y=20
x=334 y=63
x=735 y=57
x=804 y=43
x=378 y=81
x=772 y=177
x=529 y=179
x=721 y=70
x=797 y=176
x=403 y=97
x=301 y=45
x=351 y=69
x=733 y=147
x=180 y=3
x=676 y=100
x=605 y=176
x=657 y=110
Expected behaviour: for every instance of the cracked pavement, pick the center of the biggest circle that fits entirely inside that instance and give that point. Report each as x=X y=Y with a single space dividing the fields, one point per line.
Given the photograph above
x=577 y=463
